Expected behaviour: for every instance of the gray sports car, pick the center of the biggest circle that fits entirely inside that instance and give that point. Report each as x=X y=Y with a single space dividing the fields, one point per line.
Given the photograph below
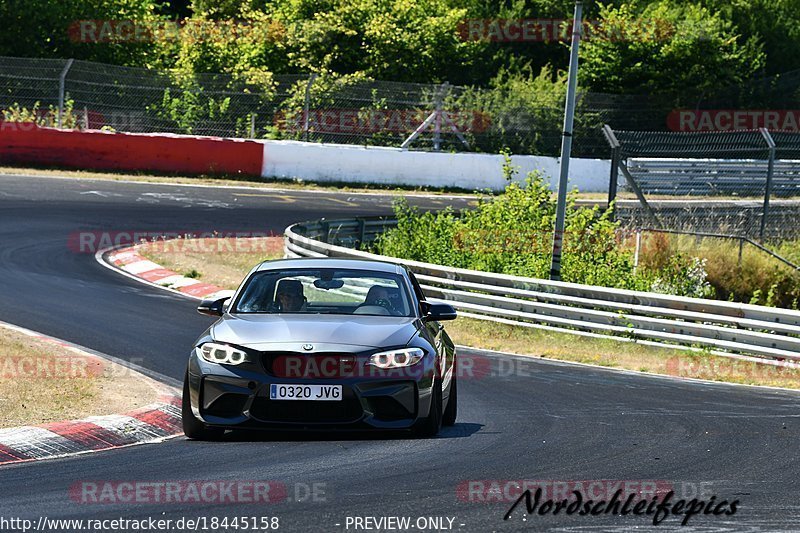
x=322 y=344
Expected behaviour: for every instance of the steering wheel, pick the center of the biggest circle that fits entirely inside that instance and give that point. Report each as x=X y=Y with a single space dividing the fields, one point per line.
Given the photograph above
x=386 y=304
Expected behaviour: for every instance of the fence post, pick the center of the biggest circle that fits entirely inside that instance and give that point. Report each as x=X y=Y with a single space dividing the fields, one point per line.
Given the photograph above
x=307 y=105
x=253 y=125
x=741 y=246
x=616 y=152
x=768 y=189
x=437 y=127
x=62 y=82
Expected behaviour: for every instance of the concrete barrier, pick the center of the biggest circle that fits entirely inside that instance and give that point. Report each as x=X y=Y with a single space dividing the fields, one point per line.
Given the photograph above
x=28 y=144
x=393 y=166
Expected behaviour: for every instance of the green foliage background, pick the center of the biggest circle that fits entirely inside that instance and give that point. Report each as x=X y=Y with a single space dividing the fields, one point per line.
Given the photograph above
x=712 y=42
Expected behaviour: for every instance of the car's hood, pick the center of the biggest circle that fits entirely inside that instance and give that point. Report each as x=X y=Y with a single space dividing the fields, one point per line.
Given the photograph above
x=290 y=332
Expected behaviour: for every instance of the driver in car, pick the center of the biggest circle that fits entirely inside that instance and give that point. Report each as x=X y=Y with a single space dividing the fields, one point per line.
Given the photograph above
x=379 y=295
x=290 y=297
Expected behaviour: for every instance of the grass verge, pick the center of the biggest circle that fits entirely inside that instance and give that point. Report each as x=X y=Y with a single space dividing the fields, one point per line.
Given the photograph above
x=43 y=382
x=618 y=354
x=226 y=269
x=223 y=262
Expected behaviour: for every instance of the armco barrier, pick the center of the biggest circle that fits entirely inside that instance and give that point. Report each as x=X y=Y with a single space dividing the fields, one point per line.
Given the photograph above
x=765 y=332
x=28 y=144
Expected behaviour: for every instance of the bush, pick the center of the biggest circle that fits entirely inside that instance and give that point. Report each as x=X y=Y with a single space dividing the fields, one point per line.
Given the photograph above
x=43 y=117
x=512 y=233
x=757 y=278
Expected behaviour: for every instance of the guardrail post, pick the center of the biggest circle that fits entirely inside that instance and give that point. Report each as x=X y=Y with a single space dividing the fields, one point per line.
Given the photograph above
x=326 y=231
x=362 y=230
x=62 y=89
x=768 y=189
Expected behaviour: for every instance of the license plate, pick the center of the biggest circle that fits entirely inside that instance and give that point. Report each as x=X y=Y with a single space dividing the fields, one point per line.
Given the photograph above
x=305 y=392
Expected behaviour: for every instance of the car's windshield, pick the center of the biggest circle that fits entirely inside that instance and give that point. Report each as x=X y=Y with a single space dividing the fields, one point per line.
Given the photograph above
x=326 y=291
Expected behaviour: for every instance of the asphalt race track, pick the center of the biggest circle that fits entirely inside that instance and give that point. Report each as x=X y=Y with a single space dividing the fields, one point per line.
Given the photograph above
x=530 y=420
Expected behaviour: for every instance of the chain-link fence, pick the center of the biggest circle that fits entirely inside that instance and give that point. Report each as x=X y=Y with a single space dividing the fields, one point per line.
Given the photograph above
x=744 y=183
x=318 y=109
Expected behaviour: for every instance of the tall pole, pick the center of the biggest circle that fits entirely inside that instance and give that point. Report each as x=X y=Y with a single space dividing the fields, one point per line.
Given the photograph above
x=566 y=145
x=768 y=189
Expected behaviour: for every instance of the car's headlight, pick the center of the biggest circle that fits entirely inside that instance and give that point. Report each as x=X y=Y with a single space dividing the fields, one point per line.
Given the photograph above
x=223 y=354
x=397 y=358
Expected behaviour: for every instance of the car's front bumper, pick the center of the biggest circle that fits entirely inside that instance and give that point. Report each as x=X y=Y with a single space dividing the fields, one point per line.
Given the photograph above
x=238 y=398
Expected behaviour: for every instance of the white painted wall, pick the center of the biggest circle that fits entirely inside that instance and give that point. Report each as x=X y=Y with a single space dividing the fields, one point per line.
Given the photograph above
x=393 y=166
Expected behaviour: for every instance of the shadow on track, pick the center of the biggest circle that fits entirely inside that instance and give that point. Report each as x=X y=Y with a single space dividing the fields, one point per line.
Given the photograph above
x=460 y=430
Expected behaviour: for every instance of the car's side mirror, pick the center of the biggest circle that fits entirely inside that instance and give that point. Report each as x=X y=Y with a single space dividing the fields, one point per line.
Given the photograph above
x=438 y=312
x=213 y=307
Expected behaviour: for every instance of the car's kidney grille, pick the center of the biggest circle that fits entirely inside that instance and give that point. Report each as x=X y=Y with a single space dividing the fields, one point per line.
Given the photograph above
x=310 y=366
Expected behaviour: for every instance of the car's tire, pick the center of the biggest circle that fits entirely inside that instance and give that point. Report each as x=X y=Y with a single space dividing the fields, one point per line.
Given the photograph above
x=451 y=411
x=432 y=424
x=192 y=427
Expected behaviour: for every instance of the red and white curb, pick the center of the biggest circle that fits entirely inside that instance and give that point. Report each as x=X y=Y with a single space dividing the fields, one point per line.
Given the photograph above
x=128 y=261
x=152 y=423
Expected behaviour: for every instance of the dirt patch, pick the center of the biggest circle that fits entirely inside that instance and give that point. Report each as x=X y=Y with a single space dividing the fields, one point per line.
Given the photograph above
x=41 y=382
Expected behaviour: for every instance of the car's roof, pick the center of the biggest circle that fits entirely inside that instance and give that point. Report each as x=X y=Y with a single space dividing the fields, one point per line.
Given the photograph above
x=327 y=262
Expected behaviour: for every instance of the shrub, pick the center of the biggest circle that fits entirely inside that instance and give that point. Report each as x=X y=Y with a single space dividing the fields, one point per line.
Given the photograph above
x=511 y=233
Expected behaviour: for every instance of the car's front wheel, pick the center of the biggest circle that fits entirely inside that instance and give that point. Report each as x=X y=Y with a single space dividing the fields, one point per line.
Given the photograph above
x=192 y=427
x=431 y=425
x=451 y=411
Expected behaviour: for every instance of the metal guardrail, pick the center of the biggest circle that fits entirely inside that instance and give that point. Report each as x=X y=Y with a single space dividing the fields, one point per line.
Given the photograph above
x=710 y=177
x=765 y=332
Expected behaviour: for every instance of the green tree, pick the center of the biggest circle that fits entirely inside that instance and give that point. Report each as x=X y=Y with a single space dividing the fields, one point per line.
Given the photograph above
x=684 y=50
x=43 y=28
x=405 y=40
